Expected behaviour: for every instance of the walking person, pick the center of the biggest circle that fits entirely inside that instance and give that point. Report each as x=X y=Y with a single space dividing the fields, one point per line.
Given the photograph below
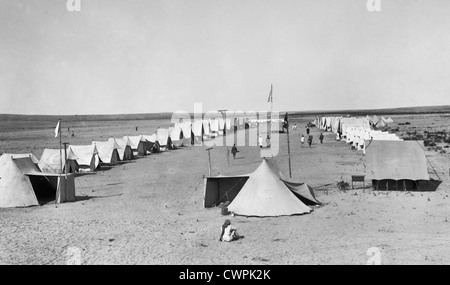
x=302 y=140
x=234 y=150
x=307 y=131
x=321 y=138
x=310 y=138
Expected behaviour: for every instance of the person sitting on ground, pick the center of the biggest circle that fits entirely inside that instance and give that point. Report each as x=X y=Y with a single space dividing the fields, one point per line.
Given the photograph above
x=228 y=232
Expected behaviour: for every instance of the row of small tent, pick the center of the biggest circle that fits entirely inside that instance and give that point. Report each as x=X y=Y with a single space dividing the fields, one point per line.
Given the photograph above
x=356 y=131
x=391 y=162
x=81 y=158
x=337 y=124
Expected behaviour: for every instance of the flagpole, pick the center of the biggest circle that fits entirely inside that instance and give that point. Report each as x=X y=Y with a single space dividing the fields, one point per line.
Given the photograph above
x=271 y=101
x=60 y=162
x=289 y=148
x=60 y=152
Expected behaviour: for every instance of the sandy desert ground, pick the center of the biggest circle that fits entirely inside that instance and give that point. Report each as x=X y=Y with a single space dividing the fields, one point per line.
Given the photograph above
x=150 y=210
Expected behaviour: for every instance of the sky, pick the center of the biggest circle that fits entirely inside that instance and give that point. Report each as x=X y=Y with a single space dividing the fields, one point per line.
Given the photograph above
x=147 y=56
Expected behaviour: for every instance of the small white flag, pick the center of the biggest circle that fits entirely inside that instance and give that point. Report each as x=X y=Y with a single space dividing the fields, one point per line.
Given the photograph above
x=57 y=129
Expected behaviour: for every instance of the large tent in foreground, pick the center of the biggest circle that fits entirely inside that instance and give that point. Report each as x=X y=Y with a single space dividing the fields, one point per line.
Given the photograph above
x=395 y=165
x=263 y=193
x=22 y=184
x=87 y=157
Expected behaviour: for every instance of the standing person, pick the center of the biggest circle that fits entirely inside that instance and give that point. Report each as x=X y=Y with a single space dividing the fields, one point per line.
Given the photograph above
x=302 y=140
x=260 y=141
x=310 y=138
x=321 y=138
x=307 y=131
x=294 y=127
x=234 y=150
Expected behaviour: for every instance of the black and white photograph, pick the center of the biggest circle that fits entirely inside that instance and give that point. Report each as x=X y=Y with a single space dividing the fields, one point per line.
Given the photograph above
x=195 y=133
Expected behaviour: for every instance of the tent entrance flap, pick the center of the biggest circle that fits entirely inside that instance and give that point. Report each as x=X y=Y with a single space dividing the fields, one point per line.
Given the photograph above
x=44 y=187
x=222 y=189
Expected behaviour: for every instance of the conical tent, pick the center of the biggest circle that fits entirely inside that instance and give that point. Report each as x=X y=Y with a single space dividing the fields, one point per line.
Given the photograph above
x=381 y=123
x=22 y=184
x=265 y=195
x=389 y=120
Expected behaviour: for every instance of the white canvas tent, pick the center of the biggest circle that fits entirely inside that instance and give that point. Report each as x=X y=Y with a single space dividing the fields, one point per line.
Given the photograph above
x=107 y=151
x=50 y=161
x=125 y=151
x=197 y=128
x=87 y=157
x=163 y=137
x=138 y=144
x=187 y=129
x=22 y=184
x=395 y=161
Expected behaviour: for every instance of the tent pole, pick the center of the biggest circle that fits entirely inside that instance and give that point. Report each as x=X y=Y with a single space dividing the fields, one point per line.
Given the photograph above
x=65 y=158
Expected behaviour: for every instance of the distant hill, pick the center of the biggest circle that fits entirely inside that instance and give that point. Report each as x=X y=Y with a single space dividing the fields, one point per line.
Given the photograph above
x=77 y=118
x=387 y=111
x=167 y=116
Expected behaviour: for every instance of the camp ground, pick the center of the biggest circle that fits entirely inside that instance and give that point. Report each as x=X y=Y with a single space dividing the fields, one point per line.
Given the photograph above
x=22 y=184
x=86 y=156
x=107 y=151
x=51 y=161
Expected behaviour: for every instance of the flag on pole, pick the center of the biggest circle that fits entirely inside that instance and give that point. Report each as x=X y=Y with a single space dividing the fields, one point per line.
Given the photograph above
x=270 y=95
x=57 y=129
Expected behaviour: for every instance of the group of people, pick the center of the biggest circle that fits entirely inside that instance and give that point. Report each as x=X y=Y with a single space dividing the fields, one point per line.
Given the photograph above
x=310 y=138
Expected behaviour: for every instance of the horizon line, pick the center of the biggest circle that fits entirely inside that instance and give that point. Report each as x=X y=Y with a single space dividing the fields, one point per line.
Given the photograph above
x=298 y=112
